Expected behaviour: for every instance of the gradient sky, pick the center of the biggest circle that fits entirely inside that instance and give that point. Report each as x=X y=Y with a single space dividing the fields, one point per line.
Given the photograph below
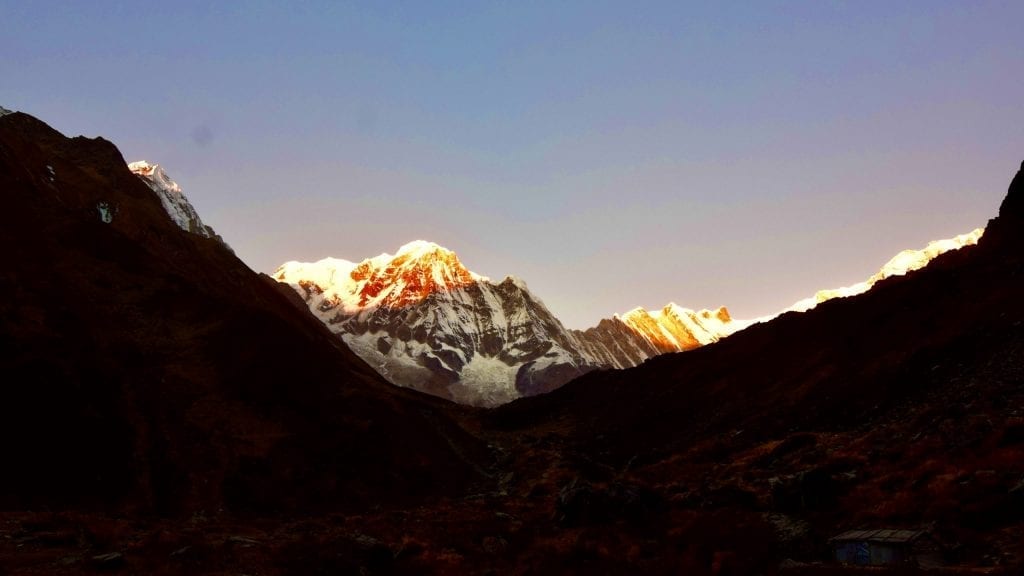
x=612 y=155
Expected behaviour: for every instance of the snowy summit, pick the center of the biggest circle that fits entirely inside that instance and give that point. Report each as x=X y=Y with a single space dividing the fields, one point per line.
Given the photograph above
x=172 y=198
x=424 y=321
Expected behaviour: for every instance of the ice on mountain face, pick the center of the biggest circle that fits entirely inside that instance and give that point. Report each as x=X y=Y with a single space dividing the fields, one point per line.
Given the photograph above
x=417 y=272
x=51 y=175
x=486 y=381
x=172 y=198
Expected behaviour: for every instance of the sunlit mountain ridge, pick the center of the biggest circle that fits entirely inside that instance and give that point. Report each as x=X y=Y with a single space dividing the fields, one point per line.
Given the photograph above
x=425 y=321
x=900 y=264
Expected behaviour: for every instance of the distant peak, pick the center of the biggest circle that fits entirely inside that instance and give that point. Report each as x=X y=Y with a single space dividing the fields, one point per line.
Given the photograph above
x=172 y=198
x=421 y=247
x=416 y=270
x=154 y=175
x=142 y=167
x=5 y=111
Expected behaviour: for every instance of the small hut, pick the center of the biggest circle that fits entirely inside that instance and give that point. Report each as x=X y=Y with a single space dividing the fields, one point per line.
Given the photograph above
x=887 y=548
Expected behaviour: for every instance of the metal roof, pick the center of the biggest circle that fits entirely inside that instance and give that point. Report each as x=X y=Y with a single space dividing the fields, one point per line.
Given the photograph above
x=886 y=536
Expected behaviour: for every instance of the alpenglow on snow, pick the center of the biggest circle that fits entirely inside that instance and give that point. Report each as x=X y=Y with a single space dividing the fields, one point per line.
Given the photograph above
x=424 y=321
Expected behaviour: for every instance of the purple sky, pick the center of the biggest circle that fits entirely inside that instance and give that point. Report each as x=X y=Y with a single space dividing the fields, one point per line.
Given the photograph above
x=612 y=155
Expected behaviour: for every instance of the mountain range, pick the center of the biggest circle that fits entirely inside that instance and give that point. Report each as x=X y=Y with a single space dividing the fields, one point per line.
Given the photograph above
x=424 y=321
x=166 y=410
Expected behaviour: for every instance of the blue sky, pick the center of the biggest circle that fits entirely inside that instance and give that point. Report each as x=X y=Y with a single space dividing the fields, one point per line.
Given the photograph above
x=611 y=154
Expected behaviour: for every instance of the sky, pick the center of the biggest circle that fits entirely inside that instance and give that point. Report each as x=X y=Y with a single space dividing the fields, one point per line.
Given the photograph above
x=611 y=154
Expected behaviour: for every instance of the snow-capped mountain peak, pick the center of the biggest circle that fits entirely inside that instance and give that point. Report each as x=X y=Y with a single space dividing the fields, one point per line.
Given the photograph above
x=415 y=272
x=910 y=260
x=154 y=174
x=674 y=328
x=422 y=249
x=424 y=320
x=173 y=199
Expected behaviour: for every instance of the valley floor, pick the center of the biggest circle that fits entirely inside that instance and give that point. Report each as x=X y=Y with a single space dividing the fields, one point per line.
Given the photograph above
x=550 y=509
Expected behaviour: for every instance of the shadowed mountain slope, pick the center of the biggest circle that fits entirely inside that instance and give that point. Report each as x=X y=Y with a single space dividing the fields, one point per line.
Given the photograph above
x=148 y=368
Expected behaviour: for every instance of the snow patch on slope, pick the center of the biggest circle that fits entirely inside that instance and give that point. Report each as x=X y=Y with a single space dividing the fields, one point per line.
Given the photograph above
x=486 y=381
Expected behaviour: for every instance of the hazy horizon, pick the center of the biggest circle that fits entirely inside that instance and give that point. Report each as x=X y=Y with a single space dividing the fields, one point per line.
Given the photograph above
x=611 y=156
